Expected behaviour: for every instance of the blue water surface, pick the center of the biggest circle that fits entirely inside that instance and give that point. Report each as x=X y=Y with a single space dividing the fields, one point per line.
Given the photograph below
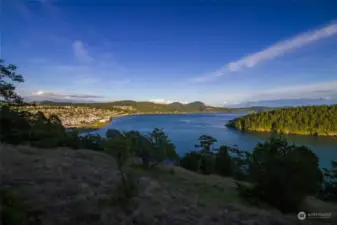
x=185 y=129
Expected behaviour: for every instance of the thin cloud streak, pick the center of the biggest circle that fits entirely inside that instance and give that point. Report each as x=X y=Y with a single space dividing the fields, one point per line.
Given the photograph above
x=163 y=101
x=61 y=96
x=283 y=47
x=311 y=91
x=64 y=95
x=327 y=90
x=81 y=53
x=274 y=51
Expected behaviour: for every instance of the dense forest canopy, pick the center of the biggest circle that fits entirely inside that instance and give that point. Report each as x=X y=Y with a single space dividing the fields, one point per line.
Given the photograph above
x=310 y=120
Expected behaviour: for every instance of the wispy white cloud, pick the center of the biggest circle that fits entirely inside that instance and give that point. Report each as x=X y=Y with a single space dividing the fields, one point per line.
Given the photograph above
x=49 y=95
x=326 y=90
x=88 y=75
x=311 y=91
x=283 y=47
x=81 y=53
x=274 y=51
x=163 y=101
x=104 y=75
x=106 y=71
x=26 y=8
x=211 y=76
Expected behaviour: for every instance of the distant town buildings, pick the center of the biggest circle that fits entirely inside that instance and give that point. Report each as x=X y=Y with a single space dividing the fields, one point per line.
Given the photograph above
x=72 y=116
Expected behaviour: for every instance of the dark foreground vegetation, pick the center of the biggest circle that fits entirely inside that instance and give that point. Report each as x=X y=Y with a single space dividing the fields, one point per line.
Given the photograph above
x=308 y=120
x=134 y=178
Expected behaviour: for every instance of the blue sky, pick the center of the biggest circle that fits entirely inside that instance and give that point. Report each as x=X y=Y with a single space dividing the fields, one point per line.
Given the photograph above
x=219 y=52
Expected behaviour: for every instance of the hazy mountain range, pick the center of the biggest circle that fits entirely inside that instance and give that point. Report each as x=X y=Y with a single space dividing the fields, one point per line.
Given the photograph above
x=284 y=102
x=263 y=103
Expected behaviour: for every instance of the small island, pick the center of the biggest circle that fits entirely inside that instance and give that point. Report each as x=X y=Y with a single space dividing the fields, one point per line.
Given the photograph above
x=303 y=120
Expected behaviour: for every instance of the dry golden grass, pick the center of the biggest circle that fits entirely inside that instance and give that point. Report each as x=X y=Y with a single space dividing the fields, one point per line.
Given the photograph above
x=63 y=186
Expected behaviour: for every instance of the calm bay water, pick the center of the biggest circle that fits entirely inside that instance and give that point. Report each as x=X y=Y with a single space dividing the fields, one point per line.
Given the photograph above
x=184 y=131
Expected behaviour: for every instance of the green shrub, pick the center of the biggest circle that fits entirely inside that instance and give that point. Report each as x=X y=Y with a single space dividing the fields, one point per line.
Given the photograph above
x=152 y=149
x=92 y=142
x=207 y=163
x=71 y=140
x=240 y=161
x=191 y=161
x=223 y=162
x=15 y=127
x=208 y=160
x=206 y=143
x=34 y=129
x=119 y=146
x=283 y=175
x=141 y=146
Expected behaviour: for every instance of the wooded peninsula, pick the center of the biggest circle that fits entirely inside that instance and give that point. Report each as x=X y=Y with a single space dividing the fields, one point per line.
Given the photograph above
x=304 y=120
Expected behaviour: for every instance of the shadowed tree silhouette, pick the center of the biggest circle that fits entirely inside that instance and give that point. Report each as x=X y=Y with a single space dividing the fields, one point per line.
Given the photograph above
x=7 y=89
x=206 y=143
x=283 y=175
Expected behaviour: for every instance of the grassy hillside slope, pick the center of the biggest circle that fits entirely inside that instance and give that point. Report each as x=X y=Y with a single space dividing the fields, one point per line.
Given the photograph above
x=63 y=186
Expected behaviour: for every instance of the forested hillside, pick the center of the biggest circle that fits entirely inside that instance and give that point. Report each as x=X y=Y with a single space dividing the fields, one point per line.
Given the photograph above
x=151 y=107
x=147 y=107
x=309 y=120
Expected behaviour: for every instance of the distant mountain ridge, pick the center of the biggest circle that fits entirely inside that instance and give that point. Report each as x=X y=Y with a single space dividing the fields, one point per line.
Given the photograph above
x=285 y=103
x=176 y=104
x=151 y=107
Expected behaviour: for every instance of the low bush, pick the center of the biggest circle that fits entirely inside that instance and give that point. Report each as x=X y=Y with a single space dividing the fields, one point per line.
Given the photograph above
x=223 y=162
x=208 y=160
x=119 y=146
x=152 y=149
x=283 y=175
x=92 y=142
x=191 y=161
